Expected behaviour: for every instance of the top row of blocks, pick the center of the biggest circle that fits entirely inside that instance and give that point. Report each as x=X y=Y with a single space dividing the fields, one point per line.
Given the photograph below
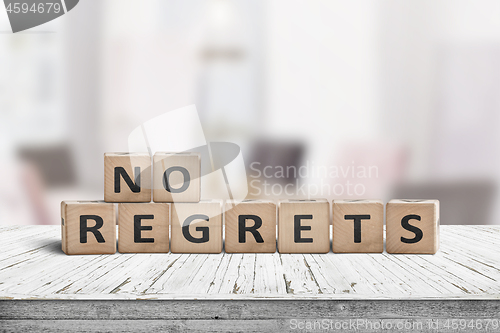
x=176 y=177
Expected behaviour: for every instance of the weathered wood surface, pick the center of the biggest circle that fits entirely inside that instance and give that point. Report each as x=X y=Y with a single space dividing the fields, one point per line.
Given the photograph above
x=32 y=266
x=242 y=315
x=249 y=309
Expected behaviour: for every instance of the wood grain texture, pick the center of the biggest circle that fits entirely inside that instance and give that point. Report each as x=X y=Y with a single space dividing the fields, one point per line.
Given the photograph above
x=423 y=214
x=255 y=309
x=97 y=212
x=129 y=162
x=371 y=234
x=315 y=223
x=32 y=266
x=416 y=323
x=265 y=212
x=155 y=216
x=181 y=188
x=207 y=234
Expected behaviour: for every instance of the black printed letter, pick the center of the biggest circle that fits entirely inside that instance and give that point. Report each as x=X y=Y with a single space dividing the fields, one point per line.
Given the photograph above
x=204 y=230
x=242 y=228
x=136 y=188
x=185 y=185
x=138 y=228
x=298 y=228
x=84 y=229
x=417 y=231
x=357 y=225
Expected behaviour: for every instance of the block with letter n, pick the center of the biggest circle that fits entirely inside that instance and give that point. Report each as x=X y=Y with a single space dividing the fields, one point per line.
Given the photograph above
x=127 y=177
x=88 y=227
x=304 y=226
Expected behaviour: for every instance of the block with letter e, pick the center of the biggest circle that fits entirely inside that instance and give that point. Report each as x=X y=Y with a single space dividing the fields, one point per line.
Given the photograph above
x=412 y=226
x=304 y=226
x=176 y=177
x=127 y=177
x=88 y=227
x=358 y=226
x=250 y=226
x=196 y=227
x=143 y=227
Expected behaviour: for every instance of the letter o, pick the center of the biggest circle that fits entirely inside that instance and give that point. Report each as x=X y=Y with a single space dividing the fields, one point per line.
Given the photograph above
x=185 y=185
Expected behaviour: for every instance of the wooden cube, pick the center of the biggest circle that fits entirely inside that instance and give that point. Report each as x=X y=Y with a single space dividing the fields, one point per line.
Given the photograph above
x=127 y=177
x=304 y=226
x=250 y=226
x=143 y=227
x=176 y=177
x=197 y=227
x=358 y=226
x=412 y=226
x=88 y=227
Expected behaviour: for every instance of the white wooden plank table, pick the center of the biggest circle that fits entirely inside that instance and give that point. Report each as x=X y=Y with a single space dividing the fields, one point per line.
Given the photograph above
x=42 y=288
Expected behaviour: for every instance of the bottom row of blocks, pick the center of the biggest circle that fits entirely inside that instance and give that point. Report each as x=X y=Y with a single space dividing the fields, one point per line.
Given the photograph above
x=89 y=227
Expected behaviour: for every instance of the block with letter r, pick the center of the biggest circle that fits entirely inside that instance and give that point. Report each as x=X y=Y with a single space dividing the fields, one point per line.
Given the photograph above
x=250 y=226
x=88 y=227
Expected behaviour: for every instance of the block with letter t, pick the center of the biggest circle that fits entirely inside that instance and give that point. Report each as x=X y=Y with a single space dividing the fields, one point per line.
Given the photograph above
x=412 y=226
x=197 y=227
x=358 y=226
x=127 y=177
x=250 y=226
x=304 y=226
x=88 y=227
x=176 y=177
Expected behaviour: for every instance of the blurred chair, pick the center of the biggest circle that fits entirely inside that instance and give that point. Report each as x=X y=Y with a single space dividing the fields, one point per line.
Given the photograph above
x=43 y=168
x=54 y=163
x=277 y=153
x=464 y=202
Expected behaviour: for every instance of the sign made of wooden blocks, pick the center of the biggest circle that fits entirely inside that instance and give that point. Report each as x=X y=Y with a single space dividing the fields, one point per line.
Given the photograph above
x=304 y=226
x=143 y=227
x=412 y=226
x=358 y=226
x=176 y=177
x=197 y=227
x=127 y=177
x=88 y=227
x=250 y=226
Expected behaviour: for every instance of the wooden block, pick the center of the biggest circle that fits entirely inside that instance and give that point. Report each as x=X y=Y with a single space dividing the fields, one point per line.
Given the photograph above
x=412 y=226
x=358 y=226
x=176 y=177
x=304 y=226
x=127 y=177
x=88 y=227
x=143 y=227
x=250 y=226
x=197 y=227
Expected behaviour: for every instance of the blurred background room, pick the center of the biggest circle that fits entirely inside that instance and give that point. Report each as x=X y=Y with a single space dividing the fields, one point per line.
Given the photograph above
x=374 y=99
